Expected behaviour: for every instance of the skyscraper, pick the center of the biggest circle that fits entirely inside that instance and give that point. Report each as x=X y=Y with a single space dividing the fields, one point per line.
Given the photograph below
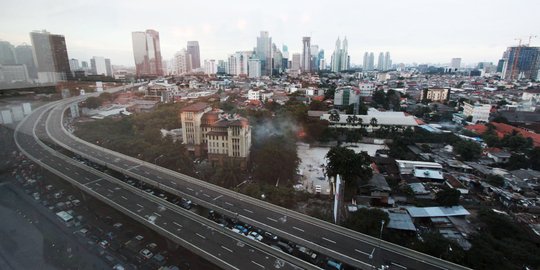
x=181 y=63
x=101 y=66
x=263 y=52
x=340 y=57
x=320 y=60
x=296 y=62
x=365 y=63
x=380 y=62
x=455 y=64
x=387 y=61
x=7 y=53
x=306 y=54
x=50 y=56
x=371 y=61
x=521 y=62
x=24 y=56
x=194 y=52
x=147 y=53
x=210 y=67
x=73 y=64
x=254 y=68
x=238 y=63
x=285 y=57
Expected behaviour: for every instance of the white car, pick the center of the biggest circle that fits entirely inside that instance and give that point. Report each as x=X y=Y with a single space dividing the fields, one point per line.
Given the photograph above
x=147 y=254
x=256 y=236
x=104 y=243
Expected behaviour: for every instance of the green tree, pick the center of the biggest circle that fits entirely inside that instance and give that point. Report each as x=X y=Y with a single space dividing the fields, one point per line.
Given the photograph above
x=334 y=116
x=271 y=153
x=352 y=167
x=495 y=180
x=92 y=102
x=367 y=221
x=448 y=197
x=373 y=122
x=467 y=150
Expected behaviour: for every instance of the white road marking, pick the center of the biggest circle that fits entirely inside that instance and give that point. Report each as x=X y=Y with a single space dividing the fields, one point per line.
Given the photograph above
x=76 y=173
x=259 y=265
x=296 y=228
x=124 y=198
x=218 y=197
x=359 y=251
x=97 y=184
x=200 y=236
x=269 y=218
x=175 y=223
x=190 y=189
x=140 y=206
x=110 y=191
x=228 y=203
x=247 y=210
x=329 y=240
x=227 y=249
x=398 y=265
x=206 y=195
x=157 y=214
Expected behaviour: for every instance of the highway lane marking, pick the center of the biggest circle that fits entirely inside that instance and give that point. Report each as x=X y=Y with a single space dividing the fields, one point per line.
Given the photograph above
x=76 y=173
x=249 y=211
x=201 y=236
x=329 y=240
x=124 y=198
x=218 y=197
x=398 y=265
x=159 y=177
x=157 y=214
x=88 y=179
x=227 y=249
x=175 y=223
x=140 y=205
x=228 y=203
x=127 y=165
x=259 y=265
x=269 y=218
x=206 y=195
x=296 y=228
x=110 y=191
x=359 y=251
x=190 y=189
x=97 y=184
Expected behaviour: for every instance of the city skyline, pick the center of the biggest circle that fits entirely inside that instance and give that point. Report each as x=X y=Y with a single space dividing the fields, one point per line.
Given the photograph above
x=422 y=35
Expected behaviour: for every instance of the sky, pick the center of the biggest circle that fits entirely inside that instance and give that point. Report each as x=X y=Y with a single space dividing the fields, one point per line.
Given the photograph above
x=414 y=31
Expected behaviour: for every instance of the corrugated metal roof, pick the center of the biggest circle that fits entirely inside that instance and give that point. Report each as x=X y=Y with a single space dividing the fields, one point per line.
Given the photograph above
x=417 y=212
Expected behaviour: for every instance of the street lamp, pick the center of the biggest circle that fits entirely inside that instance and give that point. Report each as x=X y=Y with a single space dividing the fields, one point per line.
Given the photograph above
x=155 y=160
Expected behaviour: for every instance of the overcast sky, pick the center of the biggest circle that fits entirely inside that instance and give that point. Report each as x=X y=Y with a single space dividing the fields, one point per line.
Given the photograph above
x=421 y=31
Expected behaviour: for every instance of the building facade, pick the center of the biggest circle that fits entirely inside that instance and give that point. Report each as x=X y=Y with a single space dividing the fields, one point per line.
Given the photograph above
x=147 y=53
x=263 y=52
x=221 y=137
x=306 y=54
x=366 y=89
x=340 y=57
x=101 y=66
x=210 y=67
x=50 y=56
x=254 y=68
x=194 y=53
x=435 y=94
x=521 y=62
x=345 y=96
x=479 y=112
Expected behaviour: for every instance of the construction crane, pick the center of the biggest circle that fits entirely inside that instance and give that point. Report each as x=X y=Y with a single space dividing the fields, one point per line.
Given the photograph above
x=531 y=37
x=520 y=40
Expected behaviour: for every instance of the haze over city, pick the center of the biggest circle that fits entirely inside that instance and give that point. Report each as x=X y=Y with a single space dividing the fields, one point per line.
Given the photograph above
x=414 y=31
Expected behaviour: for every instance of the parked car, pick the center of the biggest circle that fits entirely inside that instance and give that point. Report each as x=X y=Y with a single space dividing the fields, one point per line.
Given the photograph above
x=147 y=254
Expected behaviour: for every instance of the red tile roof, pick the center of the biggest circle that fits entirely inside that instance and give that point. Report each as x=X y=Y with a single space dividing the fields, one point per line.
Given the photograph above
x=502 y=129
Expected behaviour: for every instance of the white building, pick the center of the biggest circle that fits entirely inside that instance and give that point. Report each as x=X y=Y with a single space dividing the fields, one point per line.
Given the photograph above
x=13 y=73
x=237 y=63
x=366 y=89
x=254 y=68
x=479 y=112
x=373 y=120
x=210 y=67
x=345 y=96
x=455 y=64
x=101 y=66
x=181 y=63
x=296 y=62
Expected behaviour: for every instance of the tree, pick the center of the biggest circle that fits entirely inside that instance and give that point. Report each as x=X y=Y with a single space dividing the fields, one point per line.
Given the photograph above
x=367 y=221
x=334 y=116
x=448 y=197
x=92 y=102
x=271 y=153
x=495 y=180
x=349 y=165
x=373 y=122
x=317 y=105
x=467 y=150
x=534 y=157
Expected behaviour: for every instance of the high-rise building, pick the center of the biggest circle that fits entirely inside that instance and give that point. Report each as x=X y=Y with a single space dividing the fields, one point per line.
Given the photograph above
x=521 y=62
x=50 y=56
x=210 y=67
x=7 y=54
x=263 y=52
x=24 y=56
x=277 y=59
x=380 y=62
x=180 y=63
x=306 y=54
x=321 y=65
x=365 y=63
x=254 y=68
x=84 y=64
x=195 y=54
x=371 y=61
x=101 y=66
x=296 y=62
x=340 y=57
x=455 y=64
x=147 y=53
x=73 y=64
x=387 y=61
x=238 y=63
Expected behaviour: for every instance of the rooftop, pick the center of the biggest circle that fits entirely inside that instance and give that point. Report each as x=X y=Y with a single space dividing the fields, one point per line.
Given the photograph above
x=418 y=212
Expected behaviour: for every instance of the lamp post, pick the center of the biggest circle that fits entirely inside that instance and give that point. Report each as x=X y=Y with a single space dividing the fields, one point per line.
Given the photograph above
x=155 y=160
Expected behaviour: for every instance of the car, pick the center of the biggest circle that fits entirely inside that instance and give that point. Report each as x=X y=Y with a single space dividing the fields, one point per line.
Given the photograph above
x=270 y=236
x=104 y=243
x=117 y=225
x=118 y=267
x=236 y=230
x=49 y=187
x=185 y=203
x=139 y=237
x=152 y=219
x=151 y=246
x=241 y=228
x=83 y=231
x=149 y=191
x=147 y=254
x=256 y=236
x=162 y=196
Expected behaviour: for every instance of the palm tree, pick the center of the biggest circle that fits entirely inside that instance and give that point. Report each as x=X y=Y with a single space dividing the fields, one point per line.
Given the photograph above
x=373 y=122
x=334 y=116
